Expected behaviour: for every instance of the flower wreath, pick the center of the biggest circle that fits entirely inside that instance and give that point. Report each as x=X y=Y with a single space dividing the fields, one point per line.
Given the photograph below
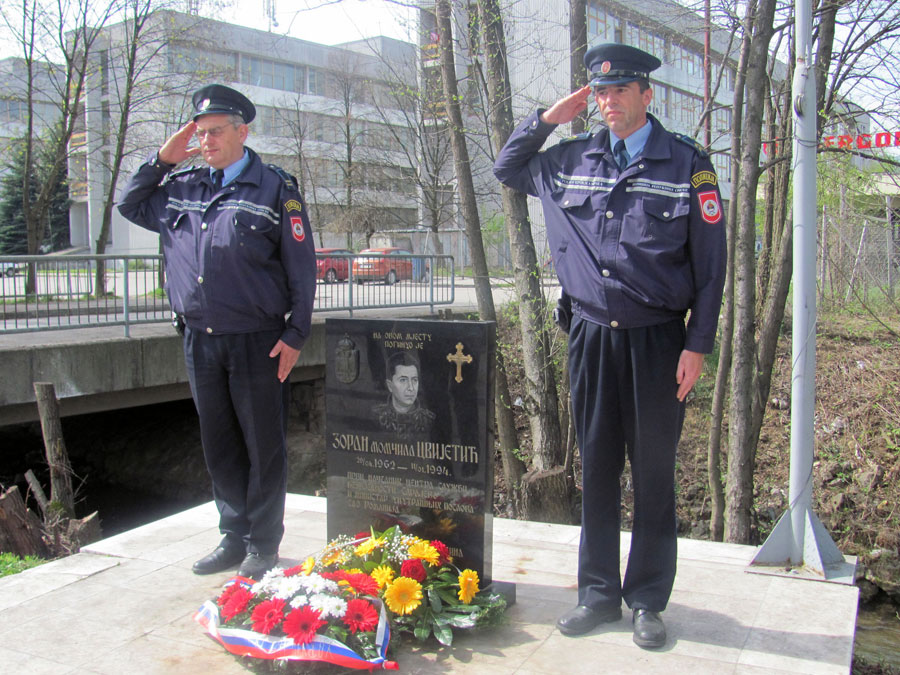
x=340 y=605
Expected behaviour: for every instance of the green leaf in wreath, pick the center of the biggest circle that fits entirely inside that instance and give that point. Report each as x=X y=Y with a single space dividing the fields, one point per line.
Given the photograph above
x=464 y=622
x=434 y=599
x=443 y=634
x=422 y=632
x=448 y=596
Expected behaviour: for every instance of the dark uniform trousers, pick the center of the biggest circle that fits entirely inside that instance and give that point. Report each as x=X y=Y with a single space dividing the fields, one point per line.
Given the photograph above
x=623 y=400
x=243 y=411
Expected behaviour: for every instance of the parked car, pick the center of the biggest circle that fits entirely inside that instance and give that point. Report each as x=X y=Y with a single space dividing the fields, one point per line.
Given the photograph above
x=390 y=264
x=10 y=268
x=333 y=264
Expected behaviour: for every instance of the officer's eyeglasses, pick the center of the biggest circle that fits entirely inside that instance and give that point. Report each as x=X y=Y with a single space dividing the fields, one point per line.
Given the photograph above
x=215 y=132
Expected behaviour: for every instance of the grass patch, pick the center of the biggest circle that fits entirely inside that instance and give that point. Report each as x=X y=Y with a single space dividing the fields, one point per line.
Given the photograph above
x=13 y=564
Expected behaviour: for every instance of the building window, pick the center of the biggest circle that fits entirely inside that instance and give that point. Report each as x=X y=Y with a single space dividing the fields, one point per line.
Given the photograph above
x=598 y=24
x=659 y=106
x=722 y=163
x=316 y=82
x=204 y=62
x=722 y=120
x=273 y=74
x=687 y=61
x=684 y=110
x=650 y=42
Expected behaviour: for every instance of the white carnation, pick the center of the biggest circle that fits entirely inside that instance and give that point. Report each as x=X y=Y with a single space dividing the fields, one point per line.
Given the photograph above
x=329 y=606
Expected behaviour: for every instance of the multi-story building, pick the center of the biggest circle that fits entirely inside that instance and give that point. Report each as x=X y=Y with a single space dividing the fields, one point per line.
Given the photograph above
x=14 y=103
x=331 y=115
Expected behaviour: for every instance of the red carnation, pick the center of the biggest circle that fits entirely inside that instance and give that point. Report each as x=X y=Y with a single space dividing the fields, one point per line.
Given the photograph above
x=443 y=551
x=237 y=602
x=301 y=625
x=293 y=571
x=414 y=569
x=361 y=535
x=360 y=616
x=363 y=584
x=338 y=575
x=223 y=599
x=267 y=615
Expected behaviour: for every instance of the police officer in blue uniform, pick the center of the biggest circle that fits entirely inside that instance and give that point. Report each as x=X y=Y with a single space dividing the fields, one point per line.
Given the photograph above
x=635 y=225
x=239 y=259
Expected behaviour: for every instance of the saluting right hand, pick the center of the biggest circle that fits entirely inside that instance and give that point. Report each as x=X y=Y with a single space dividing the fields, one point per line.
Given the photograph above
x=176 y=149
x=566 y=109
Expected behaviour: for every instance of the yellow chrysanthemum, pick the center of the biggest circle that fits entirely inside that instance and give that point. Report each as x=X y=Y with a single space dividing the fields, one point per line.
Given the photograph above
x=334 y=557
x=383 y=575
x=308 y=565
x=403 y=595
x=468 y=585
x=424 y=551
x=366 y=547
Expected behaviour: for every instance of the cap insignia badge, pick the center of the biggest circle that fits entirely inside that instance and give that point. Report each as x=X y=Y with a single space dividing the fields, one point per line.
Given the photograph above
x=605 y=67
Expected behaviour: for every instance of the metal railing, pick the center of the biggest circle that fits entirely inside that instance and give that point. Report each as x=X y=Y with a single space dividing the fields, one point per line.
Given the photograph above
x=39 y=293
x=366 y=281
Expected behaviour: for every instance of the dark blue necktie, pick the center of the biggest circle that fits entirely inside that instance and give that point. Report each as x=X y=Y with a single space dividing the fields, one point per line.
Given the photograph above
x=621 y=155
x=218 y=175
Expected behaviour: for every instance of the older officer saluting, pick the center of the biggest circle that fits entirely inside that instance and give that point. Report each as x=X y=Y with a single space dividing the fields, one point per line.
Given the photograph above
x=634 y=221
x=239 y=259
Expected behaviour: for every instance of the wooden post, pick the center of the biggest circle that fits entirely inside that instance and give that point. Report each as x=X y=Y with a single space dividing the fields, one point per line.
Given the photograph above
x=61 y=494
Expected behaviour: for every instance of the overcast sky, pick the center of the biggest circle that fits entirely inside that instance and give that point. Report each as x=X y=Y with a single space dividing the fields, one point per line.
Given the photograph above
x=325 y=21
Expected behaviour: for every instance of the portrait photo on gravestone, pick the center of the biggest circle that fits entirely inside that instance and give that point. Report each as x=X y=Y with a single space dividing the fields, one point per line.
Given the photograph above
x=409 y=414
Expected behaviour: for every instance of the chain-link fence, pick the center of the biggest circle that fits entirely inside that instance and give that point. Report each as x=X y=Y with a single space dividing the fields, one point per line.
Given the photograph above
x=859 y=259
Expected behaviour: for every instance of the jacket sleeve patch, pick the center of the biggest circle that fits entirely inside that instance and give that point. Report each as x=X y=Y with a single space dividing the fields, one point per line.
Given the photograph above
x=710 y=207
x=292 y=205
x=702 y=177
x=297 y=228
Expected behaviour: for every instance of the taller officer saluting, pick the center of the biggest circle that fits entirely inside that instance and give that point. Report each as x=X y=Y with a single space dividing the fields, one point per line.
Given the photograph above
x=635 y=225
x=239 y=259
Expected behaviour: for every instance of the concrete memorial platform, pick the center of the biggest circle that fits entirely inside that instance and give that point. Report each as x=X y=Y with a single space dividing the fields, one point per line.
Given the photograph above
x=125 y=605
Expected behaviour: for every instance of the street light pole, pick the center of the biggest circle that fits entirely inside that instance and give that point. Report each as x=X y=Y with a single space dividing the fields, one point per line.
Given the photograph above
x=799 y=539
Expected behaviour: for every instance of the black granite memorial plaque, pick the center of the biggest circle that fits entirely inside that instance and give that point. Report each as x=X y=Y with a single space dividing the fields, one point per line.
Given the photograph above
x=409 y=413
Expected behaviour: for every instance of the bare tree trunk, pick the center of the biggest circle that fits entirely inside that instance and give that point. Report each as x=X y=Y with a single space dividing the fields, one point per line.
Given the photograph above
x=577 y=50
x=739 y=487
x=513 y=468
x=542 y=402
x=61 y=495
x=714 y=446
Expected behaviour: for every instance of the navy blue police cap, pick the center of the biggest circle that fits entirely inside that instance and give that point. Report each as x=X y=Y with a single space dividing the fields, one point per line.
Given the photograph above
x=217 y=99
x=613 y=63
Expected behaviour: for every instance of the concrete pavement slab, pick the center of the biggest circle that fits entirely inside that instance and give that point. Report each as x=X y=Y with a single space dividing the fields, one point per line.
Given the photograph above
x=125 y=604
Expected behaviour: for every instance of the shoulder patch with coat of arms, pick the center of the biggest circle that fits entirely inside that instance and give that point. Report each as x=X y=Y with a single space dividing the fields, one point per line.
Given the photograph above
x=710 y=206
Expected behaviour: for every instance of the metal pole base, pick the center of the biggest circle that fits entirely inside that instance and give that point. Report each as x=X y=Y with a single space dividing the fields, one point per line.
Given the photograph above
x=820 y=556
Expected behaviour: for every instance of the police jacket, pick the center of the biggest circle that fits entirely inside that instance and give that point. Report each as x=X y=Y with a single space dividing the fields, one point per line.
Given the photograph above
x=633 y=248
x=238 y=260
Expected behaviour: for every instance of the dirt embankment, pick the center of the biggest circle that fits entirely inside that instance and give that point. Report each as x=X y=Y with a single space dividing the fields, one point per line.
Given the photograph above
x=856 y=474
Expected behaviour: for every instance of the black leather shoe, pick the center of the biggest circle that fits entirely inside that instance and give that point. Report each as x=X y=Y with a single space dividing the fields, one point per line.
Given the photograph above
x=583 y=619
x=223 y=558
x=649 y=629
x=255 y=565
